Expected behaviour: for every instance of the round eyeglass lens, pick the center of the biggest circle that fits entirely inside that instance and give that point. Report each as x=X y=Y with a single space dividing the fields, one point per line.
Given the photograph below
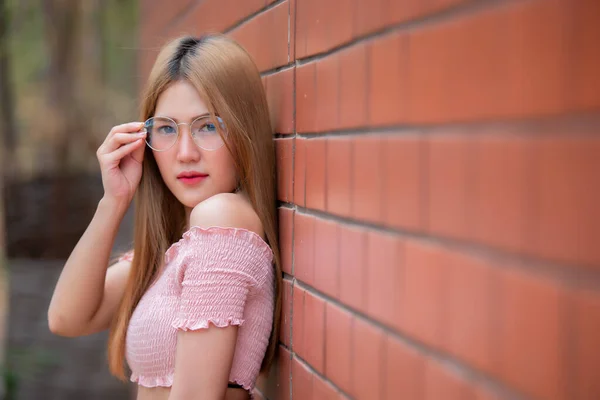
x=205 y=132
x=161 y=133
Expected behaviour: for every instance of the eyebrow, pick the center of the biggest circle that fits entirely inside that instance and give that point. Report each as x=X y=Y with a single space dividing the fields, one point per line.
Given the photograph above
x=206 y=114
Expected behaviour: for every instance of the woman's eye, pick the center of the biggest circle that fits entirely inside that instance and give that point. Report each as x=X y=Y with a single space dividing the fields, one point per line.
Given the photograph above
x=166 y=130
x=210 y=127
x=205 y=128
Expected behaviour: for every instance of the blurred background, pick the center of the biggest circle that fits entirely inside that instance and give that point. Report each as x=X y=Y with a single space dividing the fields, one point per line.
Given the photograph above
x=67 y=75
x=438 y=171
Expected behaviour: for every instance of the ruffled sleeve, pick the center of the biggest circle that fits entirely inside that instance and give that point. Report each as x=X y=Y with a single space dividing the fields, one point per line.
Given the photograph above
x=217 y=271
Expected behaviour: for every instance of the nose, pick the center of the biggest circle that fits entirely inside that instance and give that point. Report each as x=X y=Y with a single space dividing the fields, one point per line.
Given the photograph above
x=187 y=151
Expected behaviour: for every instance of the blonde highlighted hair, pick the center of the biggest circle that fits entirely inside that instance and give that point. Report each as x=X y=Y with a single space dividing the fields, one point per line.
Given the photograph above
x=228 y=81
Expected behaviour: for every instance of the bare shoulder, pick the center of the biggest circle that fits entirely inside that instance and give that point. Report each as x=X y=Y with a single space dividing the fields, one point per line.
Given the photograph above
x=227 y=210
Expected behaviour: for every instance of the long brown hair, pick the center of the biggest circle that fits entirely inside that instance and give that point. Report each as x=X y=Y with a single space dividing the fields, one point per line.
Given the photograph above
x=229 y=82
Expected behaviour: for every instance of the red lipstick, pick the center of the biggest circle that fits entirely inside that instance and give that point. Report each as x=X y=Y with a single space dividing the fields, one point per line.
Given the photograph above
x=191 y=177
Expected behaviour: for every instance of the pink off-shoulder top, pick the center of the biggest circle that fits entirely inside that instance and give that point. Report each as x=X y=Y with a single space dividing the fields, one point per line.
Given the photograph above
x=219 y=276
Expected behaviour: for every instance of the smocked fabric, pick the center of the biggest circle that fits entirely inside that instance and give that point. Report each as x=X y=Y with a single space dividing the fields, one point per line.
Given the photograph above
x=218 y=276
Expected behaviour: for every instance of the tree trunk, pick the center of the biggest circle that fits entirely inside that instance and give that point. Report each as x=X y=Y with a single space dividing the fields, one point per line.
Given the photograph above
x=7 y=112
x=91 y=87
x=92 y=35
x=62 y=19
x=3 y=290
x=61 y=22
x=6 y=138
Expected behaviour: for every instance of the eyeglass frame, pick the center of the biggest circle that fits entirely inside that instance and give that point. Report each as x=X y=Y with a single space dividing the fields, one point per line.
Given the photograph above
x=220 y=127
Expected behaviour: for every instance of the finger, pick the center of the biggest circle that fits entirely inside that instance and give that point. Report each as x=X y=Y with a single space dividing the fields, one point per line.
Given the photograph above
x=127 y=128
x=118 y=140
x=122 y=151
x=138 y=154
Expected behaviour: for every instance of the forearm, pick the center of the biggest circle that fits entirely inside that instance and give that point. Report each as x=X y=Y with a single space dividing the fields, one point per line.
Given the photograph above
x=79 y=290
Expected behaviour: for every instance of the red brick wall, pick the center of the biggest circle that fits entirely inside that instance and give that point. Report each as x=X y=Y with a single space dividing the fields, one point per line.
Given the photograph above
x=439 y=173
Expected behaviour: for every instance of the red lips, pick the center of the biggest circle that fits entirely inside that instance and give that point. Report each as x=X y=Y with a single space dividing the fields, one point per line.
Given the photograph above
x=191 y=174
x=191 y=177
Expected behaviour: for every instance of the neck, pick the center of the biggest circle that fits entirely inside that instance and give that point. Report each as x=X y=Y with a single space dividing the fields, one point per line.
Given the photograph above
x=188 y=213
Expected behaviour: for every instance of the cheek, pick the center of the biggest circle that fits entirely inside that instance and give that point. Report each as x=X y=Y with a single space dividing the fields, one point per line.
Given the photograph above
x=162 y=161
x=223 y=167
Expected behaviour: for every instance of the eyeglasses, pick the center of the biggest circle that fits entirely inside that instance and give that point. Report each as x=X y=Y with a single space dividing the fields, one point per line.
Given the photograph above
x=163 y=132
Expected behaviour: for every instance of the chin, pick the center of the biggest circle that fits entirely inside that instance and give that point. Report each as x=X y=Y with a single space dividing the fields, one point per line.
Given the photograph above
x=191 y=201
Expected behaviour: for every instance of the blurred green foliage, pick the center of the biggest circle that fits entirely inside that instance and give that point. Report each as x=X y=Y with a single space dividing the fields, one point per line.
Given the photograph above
x=120 y=43
x=29 y=57
x=24 y=364
x=107 y=101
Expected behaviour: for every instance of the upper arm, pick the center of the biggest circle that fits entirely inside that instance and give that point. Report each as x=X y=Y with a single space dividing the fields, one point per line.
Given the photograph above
x=114 y=288
x=211 y=349
x=208 y=350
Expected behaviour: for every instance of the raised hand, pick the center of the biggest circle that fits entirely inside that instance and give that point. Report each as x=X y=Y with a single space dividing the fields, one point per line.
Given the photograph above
x=120 y=158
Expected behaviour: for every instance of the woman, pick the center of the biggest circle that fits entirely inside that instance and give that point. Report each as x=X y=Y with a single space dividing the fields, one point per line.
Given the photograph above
x=194 y=307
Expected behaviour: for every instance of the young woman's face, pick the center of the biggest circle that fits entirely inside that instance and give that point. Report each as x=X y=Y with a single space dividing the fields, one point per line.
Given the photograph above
x=192 y=173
